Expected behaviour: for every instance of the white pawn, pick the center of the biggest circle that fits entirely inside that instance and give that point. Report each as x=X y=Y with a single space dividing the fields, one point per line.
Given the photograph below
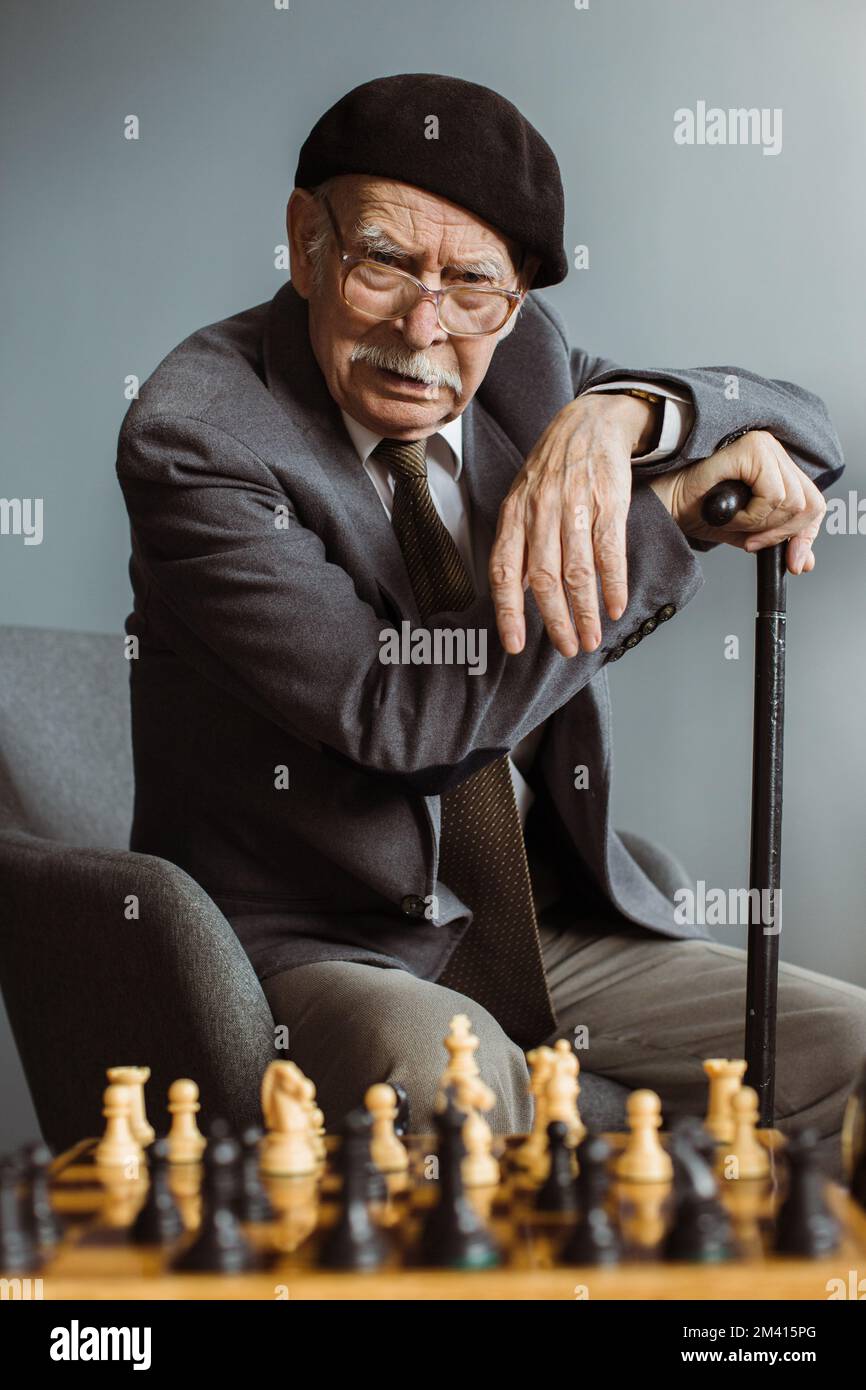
x=726 y=1078
x=387 y=1152
x=134 y=1078
x=643 y=1158
x=186 y=1143
x=118 y=1147
x=750 y=1158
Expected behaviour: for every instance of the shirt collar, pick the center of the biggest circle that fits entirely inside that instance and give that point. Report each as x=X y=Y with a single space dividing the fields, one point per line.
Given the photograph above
x=366 y=440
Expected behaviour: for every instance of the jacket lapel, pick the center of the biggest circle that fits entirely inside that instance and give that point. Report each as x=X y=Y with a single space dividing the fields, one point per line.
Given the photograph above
x=294 y=378
x=490 y=461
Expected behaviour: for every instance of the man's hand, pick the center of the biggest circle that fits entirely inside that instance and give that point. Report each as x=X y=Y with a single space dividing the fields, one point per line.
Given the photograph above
x=785 y=503
x=564 y=517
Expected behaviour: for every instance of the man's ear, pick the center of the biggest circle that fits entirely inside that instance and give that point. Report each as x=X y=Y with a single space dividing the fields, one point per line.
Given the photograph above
x=529 y=272
x=302 y=224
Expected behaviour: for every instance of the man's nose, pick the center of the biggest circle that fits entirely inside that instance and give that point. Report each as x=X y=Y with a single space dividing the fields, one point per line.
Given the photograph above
x=420 y=327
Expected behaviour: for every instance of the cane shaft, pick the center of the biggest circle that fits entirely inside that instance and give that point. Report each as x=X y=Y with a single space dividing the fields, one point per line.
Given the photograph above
x=766 y=833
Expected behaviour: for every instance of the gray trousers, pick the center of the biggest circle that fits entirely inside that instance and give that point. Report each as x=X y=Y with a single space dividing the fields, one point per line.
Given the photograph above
x=643 y=1010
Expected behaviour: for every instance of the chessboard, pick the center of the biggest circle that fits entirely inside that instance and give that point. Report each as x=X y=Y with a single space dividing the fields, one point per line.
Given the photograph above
x=95 y=1259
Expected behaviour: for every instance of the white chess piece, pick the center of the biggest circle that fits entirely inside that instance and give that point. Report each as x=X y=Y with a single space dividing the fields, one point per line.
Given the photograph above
x=287 y=1148
x=387 y=1152
x=726 y=1078
x=118 y=1148
x=533 y=1149
x=186 y=1143
x=643 y=1158
x=135 y=1078
x=751 y=1159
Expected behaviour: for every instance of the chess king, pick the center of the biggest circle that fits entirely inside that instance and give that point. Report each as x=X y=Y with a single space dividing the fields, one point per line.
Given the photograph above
x=404 y=434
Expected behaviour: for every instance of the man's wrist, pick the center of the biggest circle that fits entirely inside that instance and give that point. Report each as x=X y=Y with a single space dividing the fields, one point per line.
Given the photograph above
x=664 y=485
x=641 y=416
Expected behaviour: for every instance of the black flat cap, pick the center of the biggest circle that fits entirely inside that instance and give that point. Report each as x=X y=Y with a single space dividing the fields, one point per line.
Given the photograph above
x=487 y=157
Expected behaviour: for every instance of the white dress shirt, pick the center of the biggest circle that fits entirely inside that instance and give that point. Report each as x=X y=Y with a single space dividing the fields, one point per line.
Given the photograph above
x=451 y=500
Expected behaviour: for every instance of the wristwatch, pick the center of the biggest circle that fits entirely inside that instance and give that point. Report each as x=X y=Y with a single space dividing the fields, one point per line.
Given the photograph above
x=653 y=400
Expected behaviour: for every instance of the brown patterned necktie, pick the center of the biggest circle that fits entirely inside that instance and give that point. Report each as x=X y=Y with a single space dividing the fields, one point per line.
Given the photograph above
x=482 y=852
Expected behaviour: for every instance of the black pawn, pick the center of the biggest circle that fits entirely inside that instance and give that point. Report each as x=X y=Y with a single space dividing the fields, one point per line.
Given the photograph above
x=402 y=1123
x=855 y=1119
x=158 y=1222
x=559 y=1191
x=254 y=1204
x=48 y=1226
x=594 y=1240
x=19 y=1252
x=701 y=1230
x=453 y=1235
x=805 y=1224
x=354 y=1241
x=219 y=1245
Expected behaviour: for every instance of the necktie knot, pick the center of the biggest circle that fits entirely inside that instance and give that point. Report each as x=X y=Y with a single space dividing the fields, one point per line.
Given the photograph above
x=404 y=458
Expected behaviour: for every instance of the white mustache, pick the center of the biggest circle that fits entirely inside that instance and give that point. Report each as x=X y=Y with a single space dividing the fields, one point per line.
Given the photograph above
x=416 y=365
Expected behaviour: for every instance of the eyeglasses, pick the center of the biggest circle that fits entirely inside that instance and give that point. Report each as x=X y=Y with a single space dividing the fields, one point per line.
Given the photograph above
x=384 y=292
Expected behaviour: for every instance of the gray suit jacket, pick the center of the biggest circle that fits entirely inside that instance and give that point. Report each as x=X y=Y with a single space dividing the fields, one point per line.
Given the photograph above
x=264 y=570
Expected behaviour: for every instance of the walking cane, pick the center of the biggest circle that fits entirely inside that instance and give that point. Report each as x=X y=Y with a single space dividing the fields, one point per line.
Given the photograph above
x=719 y=506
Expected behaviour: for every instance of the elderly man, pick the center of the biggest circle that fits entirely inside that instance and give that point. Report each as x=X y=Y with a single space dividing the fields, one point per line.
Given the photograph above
x=401 y=443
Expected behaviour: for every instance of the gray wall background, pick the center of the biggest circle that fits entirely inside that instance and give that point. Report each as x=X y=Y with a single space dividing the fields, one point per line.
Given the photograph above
x=115 y=250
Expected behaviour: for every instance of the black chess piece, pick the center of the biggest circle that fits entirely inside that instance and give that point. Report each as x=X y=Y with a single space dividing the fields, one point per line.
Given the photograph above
x=48 y=1225
x=701 y=1230
x=19 y=1251
x=254 y=1204
x=220 y=1244
x=854 y=1139
x=858 y=1177
x=402 y=1124
x=158 y=1221
x=594 y=1240
x=805 y=1225
x=558 y=1192
x=355 y=1241
x=453 y=1235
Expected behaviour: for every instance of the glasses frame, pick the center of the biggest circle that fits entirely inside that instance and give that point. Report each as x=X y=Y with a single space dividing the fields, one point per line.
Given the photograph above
x=348 y=263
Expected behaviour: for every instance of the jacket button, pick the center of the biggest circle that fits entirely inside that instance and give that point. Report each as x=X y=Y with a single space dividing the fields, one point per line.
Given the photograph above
x=647 y=627
x=666 y=612
x=413 y=906
x=615 y=653
x=632 y=640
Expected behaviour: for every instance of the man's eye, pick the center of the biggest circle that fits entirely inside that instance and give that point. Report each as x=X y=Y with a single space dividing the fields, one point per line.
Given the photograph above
x=383 y=255
x=469 y=277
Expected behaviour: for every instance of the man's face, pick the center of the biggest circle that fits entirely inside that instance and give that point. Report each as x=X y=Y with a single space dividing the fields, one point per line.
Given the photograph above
x=440 y=241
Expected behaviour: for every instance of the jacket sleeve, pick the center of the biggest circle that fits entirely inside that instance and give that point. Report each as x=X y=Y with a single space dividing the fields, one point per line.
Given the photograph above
x=728 y=402
x=263 y=610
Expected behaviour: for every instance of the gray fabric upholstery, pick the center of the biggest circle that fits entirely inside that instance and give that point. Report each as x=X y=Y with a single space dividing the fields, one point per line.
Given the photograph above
x=65 y=761
x=85 y=986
